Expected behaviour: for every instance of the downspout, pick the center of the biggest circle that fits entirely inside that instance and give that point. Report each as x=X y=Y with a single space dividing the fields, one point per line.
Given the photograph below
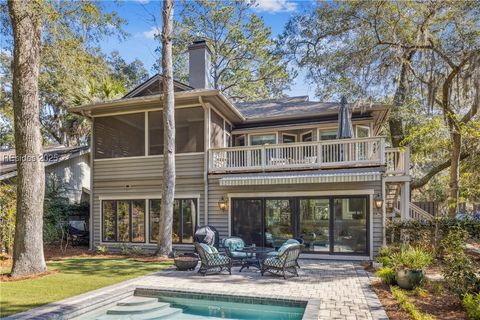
x=205 y=156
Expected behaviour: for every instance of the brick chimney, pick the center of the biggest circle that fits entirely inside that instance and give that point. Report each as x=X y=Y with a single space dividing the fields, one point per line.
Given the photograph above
x=199 y=65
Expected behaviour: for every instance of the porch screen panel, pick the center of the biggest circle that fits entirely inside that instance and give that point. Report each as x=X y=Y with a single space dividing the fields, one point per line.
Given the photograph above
x=314 y=216
x=216 y=130
x=247 y=220
x=119 y=136
x=350 y=225
x=189 y=131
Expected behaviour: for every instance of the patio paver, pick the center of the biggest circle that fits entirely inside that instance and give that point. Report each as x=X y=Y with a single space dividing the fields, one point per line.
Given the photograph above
x=343 y=288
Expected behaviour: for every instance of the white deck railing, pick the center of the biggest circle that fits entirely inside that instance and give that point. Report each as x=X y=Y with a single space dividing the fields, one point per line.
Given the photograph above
x=319 y=154
x=397 y=161
x=417 y=213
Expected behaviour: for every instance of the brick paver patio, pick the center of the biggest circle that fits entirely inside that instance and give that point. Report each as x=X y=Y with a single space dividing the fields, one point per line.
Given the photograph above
x=341 y=287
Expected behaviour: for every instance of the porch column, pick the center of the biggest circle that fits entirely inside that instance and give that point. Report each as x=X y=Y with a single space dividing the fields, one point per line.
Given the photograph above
x=405 y=200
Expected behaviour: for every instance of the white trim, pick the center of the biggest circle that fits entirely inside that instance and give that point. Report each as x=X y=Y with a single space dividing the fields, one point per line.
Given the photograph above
x=152 y=156
x=147 y=196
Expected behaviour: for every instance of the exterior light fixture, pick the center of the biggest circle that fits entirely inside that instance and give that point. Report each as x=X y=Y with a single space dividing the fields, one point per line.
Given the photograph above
x=378 y=201
x=223 y=204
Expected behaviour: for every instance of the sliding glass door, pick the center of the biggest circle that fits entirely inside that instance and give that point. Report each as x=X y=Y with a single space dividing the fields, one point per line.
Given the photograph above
x=334 y=225
x=314 y=215
x=278 y=221
x=247 y=220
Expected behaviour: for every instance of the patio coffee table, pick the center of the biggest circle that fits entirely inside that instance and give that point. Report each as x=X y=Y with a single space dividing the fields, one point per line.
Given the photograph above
x=257 y=254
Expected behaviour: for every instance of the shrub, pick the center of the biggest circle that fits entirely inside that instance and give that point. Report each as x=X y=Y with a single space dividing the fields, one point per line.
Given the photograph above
x=384 y=255
x=101 y=249
x=409 y=307
x=471 y=303
x=124 y=249
x=138 y=250
x=7 y=216
x=454 y=241
x=387 y=275
x=412 y=258
x=459 y=274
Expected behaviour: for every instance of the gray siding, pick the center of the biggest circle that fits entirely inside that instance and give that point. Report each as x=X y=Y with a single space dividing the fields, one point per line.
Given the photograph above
x=142 y=177
x=220 y=219
x=73 y=175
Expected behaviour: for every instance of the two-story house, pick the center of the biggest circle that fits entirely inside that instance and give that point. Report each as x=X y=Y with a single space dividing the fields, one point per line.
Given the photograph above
x=265 y=171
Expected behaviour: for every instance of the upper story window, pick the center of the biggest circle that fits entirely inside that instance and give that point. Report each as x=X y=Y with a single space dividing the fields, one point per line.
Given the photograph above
x=307 y=136
x=362 y=131
x=328 y=134
x=261 y=139
x=119 y=136
x=239 y=140
x=289 y=138
x=189 y=131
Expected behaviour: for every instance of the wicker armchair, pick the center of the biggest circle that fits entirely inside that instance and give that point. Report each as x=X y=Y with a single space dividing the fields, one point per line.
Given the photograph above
x=286 y=261
x=233 y=248
x=212 y=260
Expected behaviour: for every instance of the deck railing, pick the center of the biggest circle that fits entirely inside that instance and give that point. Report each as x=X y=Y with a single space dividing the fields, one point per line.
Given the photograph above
x=319 y=154
x=397 y=161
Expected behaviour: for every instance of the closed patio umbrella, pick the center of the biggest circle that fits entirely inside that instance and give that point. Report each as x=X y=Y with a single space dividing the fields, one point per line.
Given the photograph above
x=345 y=130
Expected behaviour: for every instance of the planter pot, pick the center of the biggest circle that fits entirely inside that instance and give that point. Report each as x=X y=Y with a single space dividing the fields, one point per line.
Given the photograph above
x=409 y=279
x=187 y=261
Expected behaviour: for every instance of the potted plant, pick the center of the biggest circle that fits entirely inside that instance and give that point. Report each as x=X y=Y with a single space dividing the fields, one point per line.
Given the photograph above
x=410 y=264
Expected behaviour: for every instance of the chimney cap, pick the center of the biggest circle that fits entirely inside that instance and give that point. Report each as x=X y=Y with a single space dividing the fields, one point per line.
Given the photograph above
x=199 y=44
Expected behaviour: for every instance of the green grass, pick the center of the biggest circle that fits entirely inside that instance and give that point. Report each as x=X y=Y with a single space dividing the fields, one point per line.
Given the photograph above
x=74 y=276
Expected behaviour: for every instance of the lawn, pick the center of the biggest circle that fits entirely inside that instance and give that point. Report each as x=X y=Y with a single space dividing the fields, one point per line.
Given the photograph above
x=72 y=276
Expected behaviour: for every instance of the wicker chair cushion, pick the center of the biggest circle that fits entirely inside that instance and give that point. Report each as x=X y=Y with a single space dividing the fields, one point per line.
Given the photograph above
x=291 y=241
x=285 y=246
x=234 y=244
x=239 y=254
x=208 y=249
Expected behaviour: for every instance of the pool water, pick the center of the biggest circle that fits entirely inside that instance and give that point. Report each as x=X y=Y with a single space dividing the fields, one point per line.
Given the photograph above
x=177 y=305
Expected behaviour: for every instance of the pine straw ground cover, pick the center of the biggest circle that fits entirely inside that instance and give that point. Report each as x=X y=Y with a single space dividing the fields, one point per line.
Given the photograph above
x=71 y=273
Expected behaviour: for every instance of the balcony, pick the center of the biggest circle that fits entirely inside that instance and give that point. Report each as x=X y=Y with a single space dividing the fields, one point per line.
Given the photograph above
x=345 y=153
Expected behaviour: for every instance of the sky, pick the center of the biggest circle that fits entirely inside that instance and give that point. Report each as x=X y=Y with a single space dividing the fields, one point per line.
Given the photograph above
x=140 y=26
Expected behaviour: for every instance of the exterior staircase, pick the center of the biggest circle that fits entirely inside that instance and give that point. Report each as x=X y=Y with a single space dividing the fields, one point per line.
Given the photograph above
x=392 y=205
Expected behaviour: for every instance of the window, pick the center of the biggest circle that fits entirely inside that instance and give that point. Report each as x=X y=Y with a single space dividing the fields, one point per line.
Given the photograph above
x=261 y=139
x=123 y=220
x=228 y=140
x=363 y=131
x=119 y=136
x=289 y=138
x=328 y=134
x=239 y=140
x=307 y=137
x=189 y=131
x=184 y=220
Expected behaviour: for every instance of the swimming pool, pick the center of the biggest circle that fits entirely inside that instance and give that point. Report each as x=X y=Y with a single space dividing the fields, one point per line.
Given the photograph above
x=180 y=305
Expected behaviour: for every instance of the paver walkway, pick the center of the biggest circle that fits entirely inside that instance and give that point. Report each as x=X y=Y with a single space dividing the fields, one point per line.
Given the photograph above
x=342 y=287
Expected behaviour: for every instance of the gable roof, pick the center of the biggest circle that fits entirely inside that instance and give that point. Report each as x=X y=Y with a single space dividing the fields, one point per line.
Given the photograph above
x=52 y=155
x=151 y=87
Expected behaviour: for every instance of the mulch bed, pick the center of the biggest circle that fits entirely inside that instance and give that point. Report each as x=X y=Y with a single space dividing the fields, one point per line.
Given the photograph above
x=441 y=305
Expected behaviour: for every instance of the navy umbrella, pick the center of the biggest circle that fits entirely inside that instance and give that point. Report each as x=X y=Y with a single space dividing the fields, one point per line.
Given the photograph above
x=345 y=129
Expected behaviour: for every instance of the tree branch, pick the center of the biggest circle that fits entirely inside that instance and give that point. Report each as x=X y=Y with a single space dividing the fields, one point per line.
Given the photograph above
x=418 y=183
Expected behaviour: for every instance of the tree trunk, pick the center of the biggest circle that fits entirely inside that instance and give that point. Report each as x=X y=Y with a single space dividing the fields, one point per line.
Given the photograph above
x=454 y=172
x=27 y=34
x=395 y=121
x=164 y=246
